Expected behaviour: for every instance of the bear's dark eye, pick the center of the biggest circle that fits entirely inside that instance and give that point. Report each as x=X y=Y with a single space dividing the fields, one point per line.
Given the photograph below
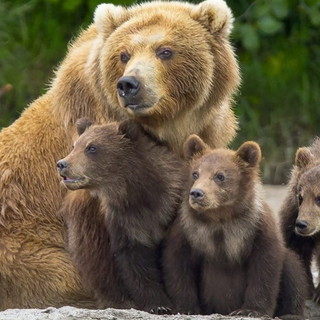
x=300 y=199
x=317 y=201
x=91 y=149
x=220 y=177
x=195 y=175
x=124 y=57
x=164 y=53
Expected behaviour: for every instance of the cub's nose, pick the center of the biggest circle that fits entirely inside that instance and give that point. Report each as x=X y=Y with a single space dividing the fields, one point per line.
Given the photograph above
x=301 y=225
x=128 y=87
x=196 y=193
x=62 y=164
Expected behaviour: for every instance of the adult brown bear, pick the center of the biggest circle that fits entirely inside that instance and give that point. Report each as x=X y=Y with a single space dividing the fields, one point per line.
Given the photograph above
x=169 y=65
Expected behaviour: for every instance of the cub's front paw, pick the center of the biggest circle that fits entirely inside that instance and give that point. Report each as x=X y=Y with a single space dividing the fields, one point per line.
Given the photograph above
x=247 y=312
x=161 y=310
x=188 y=310
x=193 y=311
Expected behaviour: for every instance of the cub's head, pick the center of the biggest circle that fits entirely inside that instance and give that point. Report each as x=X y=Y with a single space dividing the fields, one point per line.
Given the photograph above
x=103 y=156
x=308 y=193
x=159 y=59
x=220 y=177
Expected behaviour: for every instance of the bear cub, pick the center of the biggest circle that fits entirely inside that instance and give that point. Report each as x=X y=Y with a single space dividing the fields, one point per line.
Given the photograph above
x=116 y=241
x=224 y=253
x=300 y=212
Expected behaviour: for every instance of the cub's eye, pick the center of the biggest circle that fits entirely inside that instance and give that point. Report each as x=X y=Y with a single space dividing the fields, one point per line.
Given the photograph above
x=164 y=53
x=91 y=149
x=300 y=199
x=220 y=177
x=317 y=201
x=124 y=57
x=195 y=175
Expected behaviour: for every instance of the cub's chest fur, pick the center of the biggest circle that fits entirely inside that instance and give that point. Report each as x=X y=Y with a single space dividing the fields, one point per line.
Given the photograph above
x=232 y=238
x=141 y=227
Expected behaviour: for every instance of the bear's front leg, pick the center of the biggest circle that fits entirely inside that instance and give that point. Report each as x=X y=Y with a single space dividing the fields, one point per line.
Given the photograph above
x=263 y=273
x=180 y=270
x=140 y=271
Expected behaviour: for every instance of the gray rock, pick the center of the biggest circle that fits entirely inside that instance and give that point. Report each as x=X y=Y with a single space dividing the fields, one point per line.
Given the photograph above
x=70 y=313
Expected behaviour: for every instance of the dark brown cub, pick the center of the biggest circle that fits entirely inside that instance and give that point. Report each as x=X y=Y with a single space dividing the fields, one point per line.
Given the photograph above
x=300 y=212
x=116 y=241
x=225 y=253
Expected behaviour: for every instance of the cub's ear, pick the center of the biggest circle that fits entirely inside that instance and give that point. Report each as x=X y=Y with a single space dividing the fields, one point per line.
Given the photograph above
x=82 y=124
x=250 y=153
x=214 y=15
x=303 y=157
x=194 y=146
x=130 y=129
x=107 y=17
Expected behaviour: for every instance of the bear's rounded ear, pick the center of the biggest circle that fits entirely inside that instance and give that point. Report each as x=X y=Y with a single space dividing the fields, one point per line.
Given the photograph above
x=215 y=15
x=82 y=124
x=130 y=129
x=303 y=157
x=107 y=17
x=250 y=153
x=194 y=146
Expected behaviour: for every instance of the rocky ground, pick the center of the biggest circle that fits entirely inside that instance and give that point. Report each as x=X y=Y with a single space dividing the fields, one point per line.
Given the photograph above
x=274 y=196
x=70 y=313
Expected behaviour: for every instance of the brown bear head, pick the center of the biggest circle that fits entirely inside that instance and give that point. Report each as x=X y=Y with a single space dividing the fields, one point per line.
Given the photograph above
x=220 y=177
x=308 y=193
x=161 y=59
x=104 y=156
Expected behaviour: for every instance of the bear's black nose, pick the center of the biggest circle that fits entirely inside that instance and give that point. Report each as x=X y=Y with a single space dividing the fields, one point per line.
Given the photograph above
x=196 y=193
x=62 y=164
x=128 y=87
x=301 y=224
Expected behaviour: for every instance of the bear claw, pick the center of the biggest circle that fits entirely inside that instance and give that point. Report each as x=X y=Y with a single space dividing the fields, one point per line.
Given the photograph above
x=161 y=310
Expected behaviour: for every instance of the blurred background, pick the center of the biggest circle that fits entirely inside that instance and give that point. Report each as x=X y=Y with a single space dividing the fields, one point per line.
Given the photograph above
x=277 y=43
